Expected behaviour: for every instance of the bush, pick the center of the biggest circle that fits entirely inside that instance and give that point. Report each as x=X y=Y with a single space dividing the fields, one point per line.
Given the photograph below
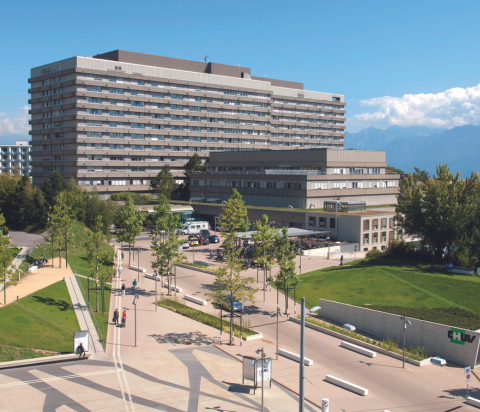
x=374 y=253
x=5 y=231
x=137 y=198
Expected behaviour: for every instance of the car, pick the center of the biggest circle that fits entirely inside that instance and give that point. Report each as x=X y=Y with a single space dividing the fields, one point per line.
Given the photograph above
x=214 y=239
x=237 y=305
x=194 y=242
x=204 y=241
x=204 y=233
x=185 y=245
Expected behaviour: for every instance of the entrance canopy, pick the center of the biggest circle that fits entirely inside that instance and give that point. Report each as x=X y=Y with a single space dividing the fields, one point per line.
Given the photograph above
x=291 y=232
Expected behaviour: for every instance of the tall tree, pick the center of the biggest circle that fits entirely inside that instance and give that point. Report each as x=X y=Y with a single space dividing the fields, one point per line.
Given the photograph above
x=53 y=186
x=7 y=274
x=229 y=284
x=194 y=164
x=286 y=278
x=164 y=183
x=59 y=224
x=431 y=211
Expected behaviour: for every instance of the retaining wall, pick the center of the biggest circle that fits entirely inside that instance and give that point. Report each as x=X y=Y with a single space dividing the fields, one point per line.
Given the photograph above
x=453 y=344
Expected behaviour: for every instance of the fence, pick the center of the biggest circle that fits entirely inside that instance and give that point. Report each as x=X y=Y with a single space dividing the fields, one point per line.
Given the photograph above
x=94 y=318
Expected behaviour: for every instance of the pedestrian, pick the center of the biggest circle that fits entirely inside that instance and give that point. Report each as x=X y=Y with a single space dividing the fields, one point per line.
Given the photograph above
x=114 y=272
x=124 y=318
x=341 y=260
x=120 y=270
x=115 y=317
x=81 y=350
x=123 y=255
x=445 y=267
x=450 y=267
x=135 y=283
x=123 y=289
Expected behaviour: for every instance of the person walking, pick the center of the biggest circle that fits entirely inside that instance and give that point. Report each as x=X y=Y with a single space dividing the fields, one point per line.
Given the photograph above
x=114 y=272
x=135 y=283
x=81 y=350
x=115 y=317
x=123 y=289
x=341 y=260
x=123 y=255
x=120 y=270
x=124 y=318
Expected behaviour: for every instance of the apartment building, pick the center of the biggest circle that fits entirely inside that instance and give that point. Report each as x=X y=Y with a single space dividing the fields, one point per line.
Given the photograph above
x=15 y=156
x=300 y=178
x=112 y=121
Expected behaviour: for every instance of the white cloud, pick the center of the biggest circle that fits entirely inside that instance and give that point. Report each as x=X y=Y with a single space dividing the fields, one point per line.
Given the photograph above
x=453 y=107
x=15 y=125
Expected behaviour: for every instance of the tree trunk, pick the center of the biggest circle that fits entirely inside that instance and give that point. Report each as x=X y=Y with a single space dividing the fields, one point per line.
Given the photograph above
x=96 y=287
x=129 y=247
x=231 y=325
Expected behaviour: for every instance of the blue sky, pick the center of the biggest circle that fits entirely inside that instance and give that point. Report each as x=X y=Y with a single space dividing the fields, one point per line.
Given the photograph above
x=405 y=63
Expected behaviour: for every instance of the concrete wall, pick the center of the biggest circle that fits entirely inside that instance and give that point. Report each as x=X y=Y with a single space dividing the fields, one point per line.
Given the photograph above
x=433 y=336
x=337 y=250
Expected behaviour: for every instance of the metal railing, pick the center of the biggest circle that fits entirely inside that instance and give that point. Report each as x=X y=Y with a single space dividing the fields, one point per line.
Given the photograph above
x=91 y=312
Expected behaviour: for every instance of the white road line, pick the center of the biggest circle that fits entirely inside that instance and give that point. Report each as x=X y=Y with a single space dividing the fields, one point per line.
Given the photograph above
x=116 y=331
x=57 y=378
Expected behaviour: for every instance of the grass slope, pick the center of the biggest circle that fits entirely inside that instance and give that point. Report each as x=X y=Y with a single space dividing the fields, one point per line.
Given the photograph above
x=391 y=283
x=42 y=320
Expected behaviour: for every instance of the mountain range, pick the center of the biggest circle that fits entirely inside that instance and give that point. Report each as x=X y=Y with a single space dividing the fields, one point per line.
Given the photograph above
x=422 y=147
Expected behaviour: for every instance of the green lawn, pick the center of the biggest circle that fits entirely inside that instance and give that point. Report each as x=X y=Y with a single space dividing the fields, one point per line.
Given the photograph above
x=43 y=320
x=392 y=283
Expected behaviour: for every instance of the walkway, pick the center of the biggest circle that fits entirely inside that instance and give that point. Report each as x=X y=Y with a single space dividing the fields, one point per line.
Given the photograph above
x=83 y=316
x=41 y=278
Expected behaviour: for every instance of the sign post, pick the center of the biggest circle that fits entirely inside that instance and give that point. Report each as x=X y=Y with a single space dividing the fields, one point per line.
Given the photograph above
x=467 y=377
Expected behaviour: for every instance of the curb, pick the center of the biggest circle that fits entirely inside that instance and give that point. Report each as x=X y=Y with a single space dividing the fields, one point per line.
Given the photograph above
x=41 y=361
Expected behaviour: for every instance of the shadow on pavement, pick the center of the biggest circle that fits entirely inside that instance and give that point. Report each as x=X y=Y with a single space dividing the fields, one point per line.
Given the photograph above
x=462 y=392
x=192 y=338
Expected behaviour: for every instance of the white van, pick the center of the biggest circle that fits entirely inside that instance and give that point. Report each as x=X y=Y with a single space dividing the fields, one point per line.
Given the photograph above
x=191 y=228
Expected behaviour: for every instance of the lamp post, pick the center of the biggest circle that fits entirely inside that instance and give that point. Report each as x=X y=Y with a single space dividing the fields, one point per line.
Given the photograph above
x=135 y=304
x=301 y=391
x=279 y=312
x=156 y=276
x=405 y=323
x=263 y=357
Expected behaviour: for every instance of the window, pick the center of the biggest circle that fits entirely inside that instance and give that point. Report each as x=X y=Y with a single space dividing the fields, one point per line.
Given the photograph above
x=271 y=185
x=375 y=238
x=138 y=104
x=292 y=185
x=366 y=225
x=384 y=223
x=311 y=221
x=176 y=96
x=176 y=117
x=194 y=108
x=384 y=237
x=176 y=107
x=332 y=223
x=115 y=91
x=252 y=184
x=375 y=224
x=366 y=239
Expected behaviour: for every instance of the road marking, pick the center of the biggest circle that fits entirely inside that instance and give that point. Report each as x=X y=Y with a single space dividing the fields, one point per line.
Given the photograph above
x=57 y=378
x=116 y=331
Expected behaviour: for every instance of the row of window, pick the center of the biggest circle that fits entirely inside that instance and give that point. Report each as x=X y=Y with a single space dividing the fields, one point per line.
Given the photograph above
x=375 y=222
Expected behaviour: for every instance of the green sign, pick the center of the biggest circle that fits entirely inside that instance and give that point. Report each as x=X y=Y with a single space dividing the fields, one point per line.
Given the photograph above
x=459 y=336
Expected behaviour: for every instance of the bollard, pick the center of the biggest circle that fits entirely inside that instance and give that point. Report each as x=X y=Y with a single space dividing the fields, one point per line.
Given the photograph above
x=325 y=405
x=17 y=298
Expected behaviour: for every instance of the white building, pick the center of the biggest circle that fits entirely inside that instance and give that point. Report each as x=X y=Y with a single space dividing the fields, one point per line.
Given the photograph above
x=15 y=156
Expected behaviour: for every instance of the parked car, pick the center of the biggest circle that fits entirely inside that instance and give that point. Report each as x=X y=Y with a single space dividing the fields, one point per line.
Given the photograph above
x=204 y=233
x=204 y=241
x=185 y=245
x=214 y=239
x=194 y=242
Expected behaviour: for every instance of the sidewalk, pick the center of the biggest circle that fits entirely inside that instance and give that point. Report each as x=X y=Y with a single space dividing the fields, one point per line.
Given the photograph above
x=41 y=278
x=83 y=316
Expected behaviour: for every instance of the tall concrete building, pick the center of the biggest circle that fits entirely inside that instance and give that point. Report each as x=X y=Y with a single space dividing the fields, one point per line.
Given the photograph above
x=15 y=156
x=113 y=120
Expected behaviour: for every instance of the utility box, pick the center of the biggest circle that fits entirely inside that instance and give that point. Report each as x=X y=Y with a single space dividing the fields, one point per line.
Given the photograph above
x=252 y=370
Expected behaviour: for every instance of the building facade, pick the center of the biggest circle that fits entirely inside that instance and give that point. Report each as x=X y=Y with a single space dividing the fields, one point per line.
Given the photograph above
x=112 y=121
x=300 y=178
x=16 y=156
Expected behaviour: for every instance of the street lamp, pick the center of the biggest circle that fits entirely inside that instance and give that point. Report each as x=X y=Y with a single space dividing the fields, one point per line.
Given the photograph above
x=135 y=304
x=405 y=323
x=279 y=312
x=263 y=357
x=156 y=280
x=301 y=391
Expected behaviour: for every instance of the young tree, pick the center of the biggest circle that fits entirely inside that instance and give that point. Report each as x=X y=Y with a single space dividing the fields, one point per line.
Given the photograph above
x=53 y=186
x=131 y=223
x=286 y=278
x=97 y=258
x=7 y=275
x=264 y=238
x=229 y=284
x=164 y=183
x=59 y=224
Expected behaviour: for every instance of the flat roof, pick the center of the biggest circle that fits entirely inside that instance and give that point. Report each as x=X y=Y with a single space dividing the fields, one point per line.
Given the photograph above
x=291 y=231
x=173 y=208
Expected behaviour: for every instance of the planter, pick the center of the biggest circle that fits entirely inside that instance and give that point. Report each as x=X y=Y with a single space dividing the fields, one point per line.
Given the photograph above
x=361 y=343
x=195 y=268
